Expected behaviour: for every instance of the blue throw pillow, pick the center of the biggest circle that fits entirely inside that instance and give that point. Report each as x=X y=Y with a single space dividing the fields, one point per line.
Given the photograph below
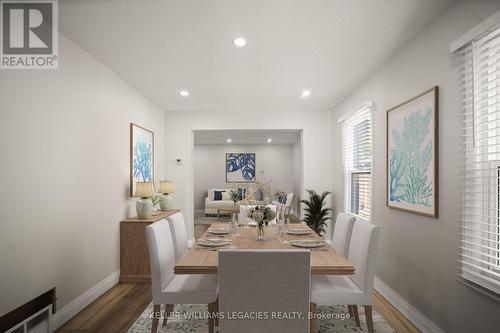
x=283 y=199
x=218 y=195
x=242 y=192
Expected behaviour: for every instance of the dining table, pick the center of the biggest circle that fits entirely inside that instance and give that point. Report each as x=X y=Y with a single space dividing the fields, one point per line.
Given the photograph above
x=201 y=260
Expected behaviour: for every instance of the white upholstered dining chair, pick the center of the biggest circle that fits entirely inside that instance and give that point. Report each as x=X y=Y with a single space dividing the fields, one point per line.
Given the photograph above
x=179 y=234
x=355 y=289
x=341 y=238
x=252 y=281
x=288 y=204
x=169 y=288
x=280 y=212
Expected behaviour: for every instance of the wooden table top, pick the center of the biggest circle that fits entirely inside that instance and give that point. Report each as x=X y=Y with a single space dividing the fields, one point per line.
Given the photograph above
x=324 y=261
x=155 y=218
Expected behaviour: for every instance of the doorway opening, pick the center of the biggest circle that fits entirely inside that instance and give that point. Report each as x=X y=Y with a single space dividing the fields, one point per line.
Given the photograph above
x=261 y=164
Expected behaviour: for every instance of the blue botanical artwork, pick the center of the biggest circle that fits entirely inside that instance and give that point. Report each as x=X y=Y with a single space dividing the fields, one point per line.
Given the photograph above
x=411 y=168
x=142 y=156
x=240 y=167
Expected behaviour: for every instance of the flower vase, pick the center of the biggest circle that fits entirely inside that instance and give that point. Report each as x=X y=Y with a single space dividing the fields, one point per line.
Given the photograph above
x=260 y=231
x=233 y=224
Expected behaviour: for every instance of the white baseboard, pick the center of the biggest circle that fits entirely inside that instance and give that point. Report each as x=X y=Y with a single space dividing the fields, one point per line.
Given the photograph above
x=409 y=311
x=78 y=304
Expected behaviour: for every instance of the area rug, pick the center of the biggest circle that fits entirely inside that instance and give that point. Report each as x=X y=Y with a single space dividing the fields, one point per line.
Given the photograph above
x=187 y=320
x=201 y=219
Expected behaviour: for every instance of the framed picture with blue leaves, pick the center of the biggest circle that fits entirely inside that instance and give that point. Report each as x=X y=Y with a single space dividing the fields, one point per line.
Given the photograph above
x=142 y=150
x=240 y=167
x=412 y=154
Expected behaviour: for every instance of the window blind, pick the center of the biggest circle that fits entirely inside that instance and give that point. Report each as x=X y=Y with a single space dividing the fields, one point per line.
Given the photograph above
x=357 y=161
x=479 y=240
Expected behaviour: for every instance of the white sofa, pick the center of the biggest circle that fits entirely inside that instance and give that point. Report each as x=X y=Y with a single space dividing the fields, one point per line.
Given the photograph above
x=212 y=206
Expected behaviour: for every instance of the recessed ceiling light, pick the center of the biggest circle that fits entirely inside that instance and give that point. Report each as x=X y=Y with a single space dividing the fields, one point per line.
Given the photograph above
x=240 y=42
x=184 y=93
x=228 y=140
x=305 y=93
x=269 y=140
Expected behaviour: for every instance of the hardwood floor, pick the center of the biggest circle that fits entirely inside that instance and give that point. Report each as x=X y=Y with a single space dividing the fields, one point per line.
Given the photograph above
x=118 y=308
x=114 y=311
x=397 y=321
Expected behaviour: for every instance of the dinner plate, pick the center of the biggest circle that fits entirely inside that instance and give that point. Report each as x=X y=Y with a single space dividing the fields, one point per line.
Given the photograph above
x=216 y=240
x=298 y=232
x=218 y=231
x=307 y=243
x=213 y=242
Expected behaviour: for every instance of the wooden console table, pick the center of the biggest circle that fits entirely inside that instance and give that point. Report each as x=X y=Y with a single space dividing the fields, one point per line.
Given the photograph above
x=134 y=256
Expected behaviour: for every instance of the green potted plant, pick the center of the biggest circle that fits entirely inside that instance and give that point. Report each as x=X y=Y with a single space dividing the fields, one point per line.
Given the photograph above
x=235 y=195
x=155 y=200
x=315 y=215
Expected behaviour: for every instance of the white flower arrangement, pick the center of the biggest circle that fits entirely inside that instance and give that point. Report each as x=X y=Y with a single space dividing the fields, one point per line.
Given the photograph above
x=262 y=215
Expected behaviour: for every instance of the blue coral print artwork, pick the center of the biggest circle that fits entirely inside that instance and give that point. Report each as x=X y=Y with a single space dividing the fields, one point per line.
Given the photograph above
x=411 y=183
x=240 y=167
x=142 y=156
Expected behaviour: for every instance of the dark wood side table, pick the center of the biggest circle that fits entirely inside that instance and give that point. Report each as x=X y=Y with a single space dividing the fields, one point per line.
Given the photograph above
x=134 y=256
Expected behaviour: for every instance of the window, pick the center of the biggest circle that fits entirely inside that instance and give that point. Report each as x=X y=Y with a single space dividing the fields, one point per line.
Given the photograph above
x=357 y=161
x=479 y=243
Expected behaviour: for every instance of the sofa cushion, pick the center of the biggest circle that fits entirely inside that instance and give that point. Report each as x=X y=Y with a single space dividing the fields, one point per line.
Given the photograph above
x=212 y=190
x=225 y=196
x=218 y=195
x=219 y=204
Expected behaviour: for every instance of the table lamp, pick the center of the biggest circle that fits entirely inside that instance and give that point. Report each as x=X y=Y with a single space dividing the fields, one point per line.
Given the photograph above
x=144 y=206
x=166 y=188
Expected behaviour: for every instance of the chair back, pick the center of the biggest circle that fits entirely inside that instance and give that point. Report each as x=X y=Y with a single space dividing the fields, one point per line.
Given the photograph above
x=161 y=255
x=289 y=200
x=264 y=281
x=341 y=237
x=280 y=212
x=363 y=253
x=179 y=235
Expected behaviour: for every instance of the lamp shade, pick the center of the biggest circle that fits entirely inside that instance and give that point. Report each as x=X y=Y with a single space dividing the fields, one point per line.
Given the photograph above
x=166 y=187
x=144 y=190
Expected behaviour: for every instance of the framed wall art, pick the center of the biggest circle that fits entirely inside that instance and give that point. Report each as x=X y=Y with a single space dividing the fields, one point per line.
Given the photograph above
x=141 y=156
x=412 y=154
x=240 y=167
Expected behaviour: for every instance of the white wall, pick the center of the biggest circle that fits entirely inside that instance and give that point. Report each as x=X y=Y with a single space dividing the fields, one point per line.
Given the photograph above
x=274 y=163
x=297 y=176
x=64 y=174
x=417 y=256
x=179 y=144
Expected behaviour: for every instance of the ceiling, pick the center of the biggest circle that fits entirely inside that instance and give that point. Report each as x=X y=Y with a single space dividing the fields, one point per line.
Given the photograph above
x=241 y=137
x=161 y=47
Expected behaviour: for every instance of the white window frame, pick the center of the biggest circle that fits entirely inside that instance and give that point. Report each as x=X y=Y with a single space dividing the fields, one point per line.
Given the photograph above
x=473 y=231
x=347 y=189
